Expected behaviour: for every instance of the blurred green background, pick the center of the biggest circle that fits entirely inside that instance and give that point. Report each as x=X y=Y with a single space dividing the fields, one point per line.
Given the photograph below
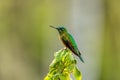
x=27 y=43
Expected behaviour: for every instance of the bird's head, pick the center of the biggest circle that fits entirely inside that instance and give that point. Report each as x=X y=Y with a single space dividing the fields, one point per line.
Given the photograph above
x=60 y=29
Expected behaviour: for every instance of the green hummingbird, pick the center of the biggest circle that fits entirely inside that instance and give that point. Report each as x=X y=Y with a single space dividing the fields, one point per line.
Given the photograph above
x=68 y=41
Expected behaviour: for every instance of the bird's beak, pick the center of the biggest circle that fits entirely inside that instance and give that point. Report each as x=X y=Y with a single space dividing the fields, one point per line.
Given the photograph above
x=53 y=27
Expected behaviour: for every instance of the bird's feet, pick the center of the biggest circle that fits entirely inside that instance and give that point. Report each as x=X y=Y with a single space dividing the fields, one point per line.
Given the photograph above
x=65 y=48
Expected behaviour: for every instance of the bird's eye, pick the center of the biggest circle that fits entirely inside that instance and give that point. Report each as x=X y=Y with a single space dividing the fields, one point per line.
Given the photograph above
x=61 y=29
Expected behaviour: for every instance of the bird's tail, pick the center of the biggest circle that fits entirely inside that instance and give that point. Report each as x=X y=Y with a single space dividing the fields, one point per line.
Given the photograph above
x=81 y=58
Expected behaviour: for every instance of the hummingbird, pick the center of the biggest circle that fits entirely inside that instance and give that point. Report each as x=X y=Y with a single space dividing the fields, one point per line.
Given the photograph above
x=68 y=41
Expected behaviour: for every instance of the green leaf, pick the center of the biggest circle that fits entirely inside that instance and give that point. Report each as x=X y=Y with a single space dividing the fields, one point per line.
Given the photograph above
x=77 y=74
x=62 y=66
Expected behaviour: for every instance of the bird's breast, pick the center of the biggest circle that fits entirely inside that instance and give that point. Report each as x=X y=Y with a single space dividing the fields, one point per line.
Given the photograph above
x=64 y=39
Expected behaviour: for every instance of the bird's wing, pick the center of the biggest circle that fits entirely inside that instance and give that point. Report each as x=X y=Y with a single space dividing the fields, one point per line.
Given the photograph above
x=72 y=41
x=71 y=44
